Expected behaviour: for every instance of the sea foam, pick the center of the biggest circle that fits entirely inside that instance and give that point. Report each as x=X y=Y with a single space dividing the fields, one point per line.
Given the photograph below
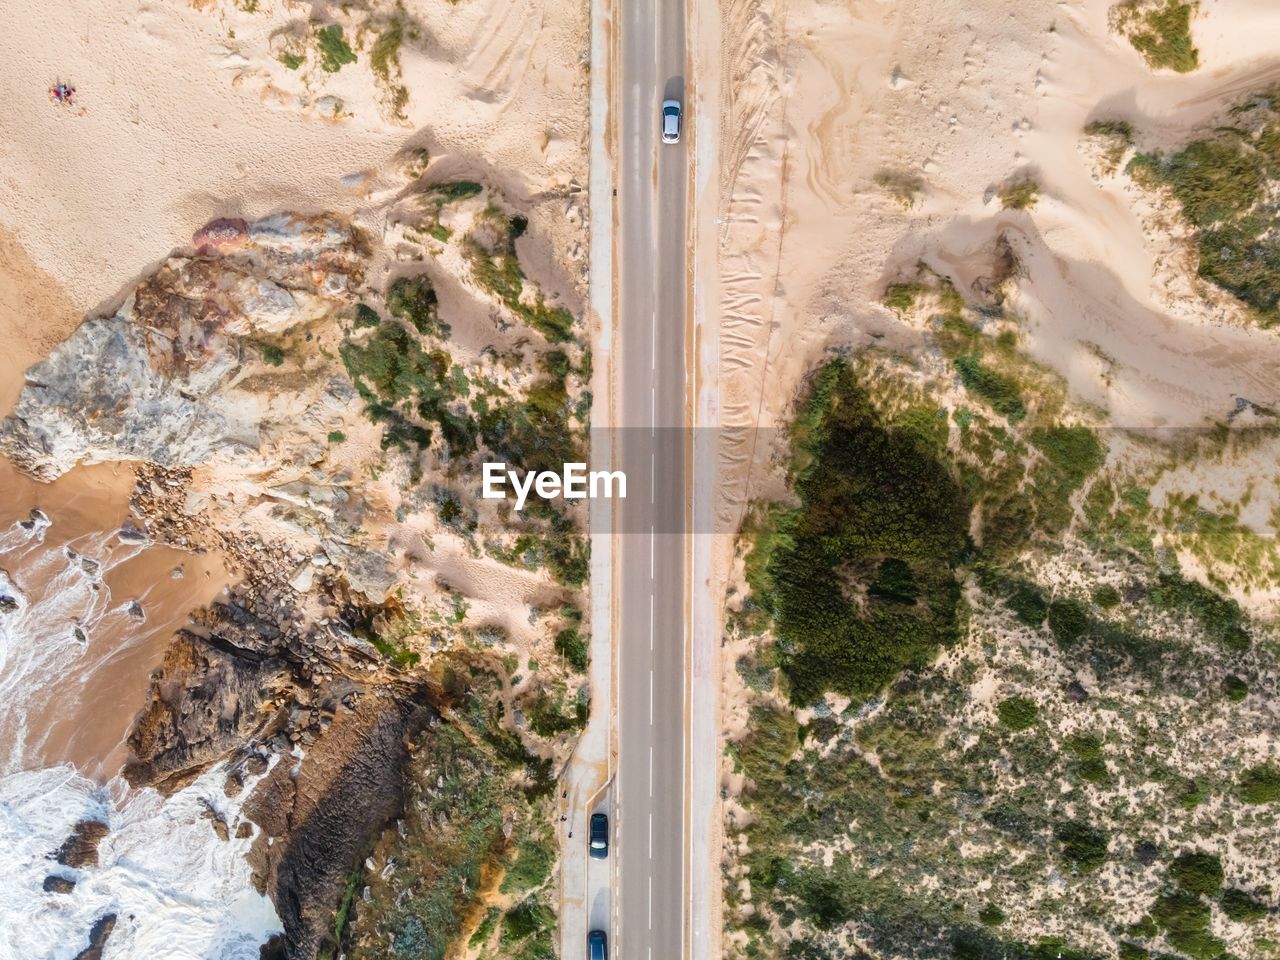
x=176 y=889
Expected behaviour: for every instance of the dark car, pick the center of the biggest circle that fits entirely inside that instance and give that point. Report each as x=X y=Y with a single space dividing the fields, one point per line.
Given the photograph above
x=599 y=836
x=597 y=945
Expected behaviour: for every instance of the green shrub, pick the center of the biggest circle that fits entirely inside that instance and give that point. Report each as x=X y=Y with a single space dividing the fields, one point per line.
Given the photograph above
x=1260 y=784
x=1181 y=912
x=456 y=190
x=1106 y=596
x=1028 y=604
x=904 y=186
x=1131 y=951
x=525 y=919
x=532 y=868
x=571 y=645
x=872 y=498
x=271 y=354
x=995 y=388
x=291 y=61
x=1017 y=713
x=1199 y=873
x=901 y=297
x=335 y=52
x=1234 y=687
x=991 y=915
x=1084 y=847
x=1241 y=907
x=1019 y=194
x=1199 y=944
x=414 y=299
x=337 y=436
x=1220 y=617
x=366 y=316
x=1068 y=621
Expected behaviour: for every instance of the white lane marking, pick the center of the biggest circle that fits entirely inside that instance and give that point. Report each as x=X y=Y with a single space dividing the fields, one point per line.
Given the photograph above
x=651 y=567
x=651 y=724
x=653 y=411
x=653 y=478
x=651 y=843
x=651 y=907
x=651 y=748
x=653 y=346
x=651 y=623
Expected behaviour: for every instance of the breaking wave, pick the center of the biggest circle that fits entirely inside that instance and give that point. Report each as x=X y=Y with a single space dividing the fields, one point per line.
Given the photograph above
x=174 y=886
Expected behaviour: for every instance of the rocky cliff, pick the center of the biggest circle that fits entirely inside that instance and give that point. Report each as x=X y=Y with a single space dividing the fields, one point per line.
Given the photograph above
x=376 y=668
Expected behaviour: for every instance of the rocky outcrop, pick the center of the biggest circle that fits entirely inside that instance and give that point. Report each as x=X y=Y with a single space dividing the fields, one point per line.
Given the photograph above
x=98 y=934
x=81 y=848
x=156 y=381
x=239 y=675
x=318 y=820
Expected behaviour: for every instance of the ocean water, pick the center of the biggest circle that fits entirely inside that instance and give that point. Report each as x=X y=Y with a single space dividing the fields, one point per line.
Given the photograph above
x=177 y=890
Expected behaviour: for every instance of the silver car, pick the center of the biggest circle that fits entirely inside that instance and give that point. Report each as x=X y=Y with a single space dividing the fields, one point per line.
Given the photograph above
x=671 y=121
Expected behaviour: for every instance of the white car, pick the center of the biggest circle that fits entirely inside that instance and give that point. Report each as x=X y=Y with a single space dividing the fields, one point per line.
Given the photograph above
x=671 y=121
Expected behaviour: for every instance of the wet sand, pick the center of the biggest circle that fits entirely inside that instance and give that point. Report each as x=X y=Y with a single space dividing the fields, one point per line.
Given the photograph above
x=79 y=708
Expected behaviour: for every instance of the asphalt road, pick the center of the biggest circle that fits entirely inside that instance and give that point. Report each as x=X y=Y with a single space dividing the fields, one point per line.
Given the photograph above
x=651 y=270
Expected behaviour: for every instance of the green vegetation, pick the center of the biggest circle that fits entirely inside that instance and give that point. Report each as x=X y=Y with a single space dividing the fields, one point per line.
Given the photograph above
x=1091 y=765
x=1235 y=688
x=1020 y=194
x=1185 y=919
x=272 y=355
x=991 y=915
x=384 y=61
x=869 y=494
x=1260 y=784
x=1084 y=847
x=532 y=869
x=1241 y=907
x=1222 y=183
x=477 y=803
x=901 y=185
x=1017 y=713
x=366 y=316
x=901 y=297
x=335 y=52
x=1118 y=137
x=491 y=253
x=344 y=907
x=1220 y=617
x=1106 y=596
x=1028 y=604
x=1068 y=621
x=337 y=436
x=1197 y=873
x=998 y=390
x=414 y=299
x=292 y=61
x=571 y=645
x=1160 y=30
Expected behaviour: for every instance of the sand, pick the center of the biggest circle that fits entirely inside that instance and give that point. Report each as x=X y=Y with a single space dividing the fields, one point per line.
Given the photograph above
x=184 y=113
